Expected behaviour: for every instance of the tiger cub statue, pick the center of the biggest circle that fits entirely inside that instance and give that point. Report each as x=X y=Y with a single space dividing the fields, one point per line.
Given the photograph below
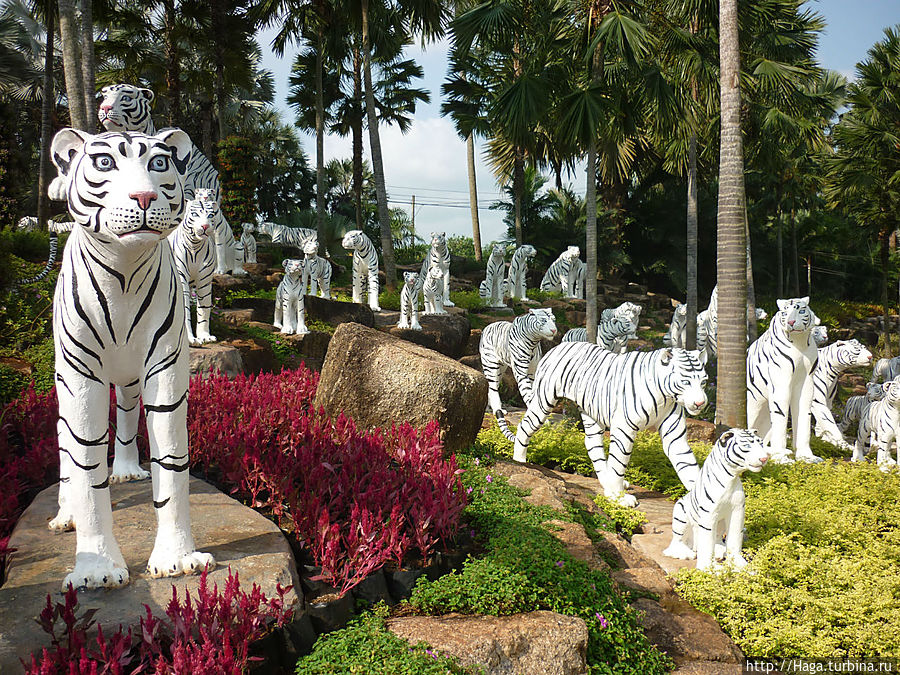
x=880 y=425
x=820 y=336
x=560 y=276
x=119 y=320
x=715 y=506
x=779 y=365
x=493 y=288
x=316 y=270
x=290 y=310
x=226 y=247
x=613 y=333
x=438 y=255
x=365 y=266
x=433 y=291
x=855 y=406
x=409 y=303
x=517 y=279
x=248 y=241
x=833 y=360
x=195 y=263
x=676 y=336
x=886 y=369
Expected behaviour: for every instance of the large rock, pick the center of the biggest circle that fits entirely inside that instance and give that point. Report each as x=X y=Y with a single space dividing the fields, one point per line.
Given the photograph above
x=687 y=635
x=261 y=309
x=444 y=333
x=380 y=380
x=216 y=357
x=238 y=537
x=537 y=643
x=335 y=312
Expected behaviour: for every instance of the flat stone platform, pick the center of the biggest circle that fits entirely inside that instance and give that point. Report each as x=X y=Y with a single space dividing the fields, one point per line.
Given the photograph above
x=235 y=535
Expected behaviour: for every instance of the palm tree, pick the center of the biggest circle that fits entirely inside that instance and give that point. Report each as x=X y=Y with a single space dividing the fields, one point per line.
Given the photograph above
x=69 y=34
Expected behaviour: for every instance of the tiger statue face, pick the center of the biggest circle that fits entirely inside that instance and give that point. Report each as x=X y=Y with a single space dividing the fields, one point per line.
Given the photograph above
x=196 y=222
x=438 y=240
x=435 y=272
x=820 y=335
x=743 y=450
x=572 y=252
x=293 y=268
x=681 y=310
x=795 y=316
x=311 y=248
x=352 y=240
x=621 y=326
x=249 y=228
x=125 y=107
x=686 y=377
x=761 y=314
x=410 y=279
x=542 y=322
x=874 y=392
x=125 y=188
x=528 y=250
x=852 y=353
x=498 y=251
x=205 y=195
x=891 y=391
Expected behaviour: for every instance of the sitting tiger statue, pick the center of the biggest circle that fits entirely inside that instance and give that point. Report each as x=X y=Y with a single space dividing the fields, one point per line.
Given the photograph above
x=365 y=267
x=623 y=393
x=493 y=289
x=517 y=277
x=195 y=264
x=433 y=291
x=409 y=302
x=832 y=361
x=676 y=336
x=438 y=256
x=515 y=345
x=316 y=270
x=290 y=310
x=248 y=241
x=118 y=319
x=715 y=505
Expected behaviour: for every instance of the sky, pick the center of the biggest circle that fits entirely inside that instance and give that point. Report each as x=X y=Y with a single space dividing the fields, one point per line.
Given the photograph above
x=429 y=161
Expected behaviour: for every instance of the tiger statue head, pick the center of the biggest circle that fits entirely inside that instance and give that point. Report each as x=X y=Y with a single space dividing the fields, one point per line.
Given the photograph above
x=438 y=240
x=125 y=189
x=528 y=250
x=353 y=240
x=572 y=252
x=249 y=228
x=498 y=251
x=891 y=391
x=685 y=377
x=820 y=335
x=874 y=392
x=410 y=279
x=125 y=107
x=741 y=450
x=851 y=353
x=293 y=268
x=541 y=323
x=435 y=272
x=311 y=247
x=196 y=222
x=761 y=314
x=795 y=316
x=621 y=326
x=681 y=310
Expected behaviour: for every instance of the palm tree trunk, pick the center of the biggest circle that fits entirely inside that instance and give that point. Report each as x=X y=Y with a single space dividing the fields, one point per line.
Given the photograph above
x=518 y=188
x=173 y=65
x=731 y=400
x=71 y=51
x=751 y=287
x=473 y=195
x=43 y=201
x=779 y=252
x=795 y=259
x=88 y=65
x=217 y=15
x=356 y=126
x=384 y=218
x=692 y=299
x=320 y=133
x=885 y=302
x=590 y=229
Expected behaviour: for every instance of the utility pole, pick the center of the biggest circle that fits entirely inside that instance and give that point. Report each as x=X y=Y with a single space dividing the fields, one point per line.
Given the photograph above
x=414 y=216
x=809 y=276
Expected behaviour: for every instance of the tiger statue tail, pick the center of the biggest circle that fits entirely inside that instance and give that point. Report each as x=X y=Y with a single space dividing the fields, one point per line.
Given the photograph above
x=51 y=260
x=504 y=427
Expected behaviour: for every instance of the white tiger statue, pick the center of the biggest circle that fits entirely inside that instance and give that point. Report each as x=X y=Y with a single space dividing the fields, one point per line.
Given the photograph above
x=560 y=276
x=715 y=506
x=779 y=365
x=493 y=288
x=516 y=280
x=833 y=360
x=433 y=291
x=613 y=333
x=820 y=336
x=676 y=336
x=195 y=264
x=516 y=345
x=290 y=309
x=438 y=255
x=223 y=236
x=708 y=326
x=879 y=425
x=126 y=192
x=629 y=311
x=365 y=266
x=248 y=242
x=316 y=270
x=295 y=237
x=855 y=406
x=886 y=370
x=409 y=302
x=580 y=272
x=623 y=393
x=29 y=224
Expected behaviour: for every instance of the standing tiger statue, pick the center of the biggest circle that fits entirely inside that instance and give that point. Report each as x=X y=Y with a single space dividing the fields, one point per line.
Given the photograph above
x=560 y=276
x=365 y=266
x=493 y=288
x=439 y=256
x=118 y=319
x=195 y=264
x=623 y=393
x=248 y=241
x=832 y=361
x=715 y=506
x=316 y=270
x=290 y=309
x=779 y=365
x=855 y=406
x=613 y=333
x=515 y=345
x=676 y=336
x=409 y=302
x=879 y=426
x=517 y=277
x=296 y=237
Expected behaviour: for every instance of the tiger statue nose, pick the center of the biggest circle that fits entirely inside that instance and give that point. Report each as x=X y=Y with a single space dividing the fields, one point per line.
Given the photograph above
x=143 y=198
x=106 y=108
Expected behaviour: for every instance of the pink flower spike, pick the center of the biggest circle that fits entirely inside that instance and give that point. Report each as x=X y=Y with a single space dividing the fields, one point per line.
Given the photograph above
x=603 y=622
x=489 y=479
x=559 y=563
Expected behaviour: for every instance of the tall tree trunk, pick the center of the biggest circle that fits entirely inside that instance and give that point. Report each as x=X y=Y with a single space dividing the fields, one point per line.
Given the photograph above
x=356 y=126
x=751 y=287
x=320 y=132
x=731 y=398
x=779 y=252
x=518 y=189
x=885 y=302
x=173 y=65
x=88 y=65
x=47 y=105
x=692 y=300
x=473 y=195
x=217 y=16
x=590 y=207
x=71 y=51
x=384 y=218
x=795 y=259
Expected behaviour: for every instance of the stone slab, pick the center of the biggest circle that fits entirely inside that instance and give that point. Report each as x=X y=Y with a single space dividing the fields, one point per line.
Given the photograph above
x=237 y=536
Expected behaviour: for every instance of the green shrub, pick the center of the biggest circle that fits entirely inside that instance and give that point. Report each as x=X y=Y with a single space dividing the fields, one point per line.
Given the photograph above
x=390 y=299
x=627 y=520
x=236 y=170
x=12 y=382
x=469 y=300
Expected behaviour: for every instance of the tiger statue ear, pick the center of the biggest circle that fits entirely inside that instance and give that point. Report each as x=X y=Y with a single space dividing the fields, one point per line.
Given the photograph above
x=666 y=356
x=180 y=144
x=66 y=144
x=147 y=94
x=724 y=438
x=284 y=263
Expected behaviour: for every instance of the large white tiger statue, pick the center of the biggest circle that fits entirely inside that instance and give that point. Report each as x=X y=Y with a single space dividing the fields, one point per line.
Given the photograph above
x=515 y=345
x=290 y=309
x=438 y=255
x=365 y=266
x=623 y=393
x=560 y=276
x=195 y=264
x=833 y=360
x=517 y=277
x=715 y=506
x=493 y=289
x=779 y=365
x=118 y=319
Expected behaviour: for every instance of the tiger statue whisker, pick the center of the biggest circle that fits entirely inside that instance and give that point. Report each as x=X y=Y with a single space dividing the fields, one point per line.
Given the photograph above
x=118 y=319
x=715 y=505
x=195 y=262
x=515 y=345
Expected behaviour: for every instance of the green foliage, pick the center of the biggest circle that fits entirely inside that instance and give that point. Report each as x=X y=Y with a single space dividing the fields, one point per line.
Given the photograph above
x=367 y=646
x=236 y=163
x=469 y=300
x=12 y=382
x=525 y=568
x=461 y=246
x=390 y=299
x=824 y=540
x=284 y=349
x=627 y=520
x=25 y=311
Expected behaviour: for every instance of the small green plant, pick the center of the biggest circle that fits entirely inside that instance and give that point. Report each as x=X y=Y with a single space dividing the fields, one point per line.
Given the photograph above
x=469 y=300
x=390 y=299
x=627 y=520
